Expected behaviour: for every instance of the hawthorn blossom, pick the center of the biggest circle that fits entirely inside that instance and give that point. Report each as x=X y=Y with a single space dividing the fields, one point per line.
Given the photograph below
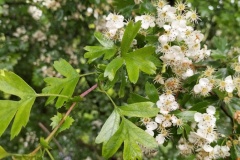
x=203 y=87
x=147 y=21
x=114 y=21
x=150 y=127
x=167 y=103
x=35 y=12
x=165 y=14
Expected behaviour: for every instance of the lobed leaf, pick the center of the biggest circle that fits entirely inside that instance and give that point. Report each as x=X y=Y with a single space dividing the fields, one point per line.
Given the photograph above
x=95 y=52
x=112 y=145
x=131 y=150
x=61 y=86
x=12 y=84
x=151 y=92
x=186 y=115
x=128 y=36
x=103 y=40
x=3 y=153
x=138 y=135
x=141 y=109
x=134 y=98
x=109 y=128
x=113 y=67
x=140 y=60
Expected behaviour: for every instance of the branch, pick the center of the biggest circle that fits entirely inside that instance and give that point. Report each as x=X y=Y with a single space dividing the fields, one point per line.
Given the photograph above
x=50 y=137
x=54 y=139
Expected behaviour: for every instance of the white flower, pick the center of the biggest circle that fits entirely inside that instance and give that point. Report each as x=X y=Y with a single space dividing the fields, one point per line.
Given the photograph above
x=167 y=103
x=229 y=87
x=114 y=21
x=160 y=138
x=238 y=59
x=207 y=148
x=187 y=74
x=159 y=118
x=151 y=125
x=204 y=87
x=207 y=134
x=165 y=14
x=150 y=132
x=211 y=110
x=35 y=12
x=221 y=151
x=147 y=21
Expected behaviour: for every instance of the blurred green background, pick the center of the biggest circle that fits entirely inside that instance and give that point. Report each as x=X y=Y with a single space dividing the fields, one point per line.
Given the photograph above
x=30 y=43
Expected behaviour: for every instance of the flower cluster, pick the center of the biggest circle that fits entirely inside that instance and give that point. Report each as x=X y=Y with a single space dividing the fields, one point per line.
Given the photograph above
x=179 y=46
x=164 y=119
x=35 y=12
x=201 y=141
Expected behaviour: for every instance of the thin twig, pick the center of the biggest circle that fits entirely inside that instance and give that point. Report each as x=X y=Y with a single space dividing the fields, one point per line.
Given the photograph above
x=54 y=139
x=49 y=138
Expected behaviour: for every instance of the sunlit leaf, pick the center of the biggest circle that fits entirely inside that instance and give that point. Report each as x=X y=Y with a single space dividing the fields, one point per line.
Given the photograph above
x=112 y=68
x=66 y=124
x=12 y=84
x=103 y=40
x=131 y=150
x=113 y=144
x=138 y=135
x=62 y=86
x=141 y=109
x=139 y=60
x=44 y=143
x=128 y=36
x=94 y=52
x=3 y=153
x=109 y=128
x=151 y=92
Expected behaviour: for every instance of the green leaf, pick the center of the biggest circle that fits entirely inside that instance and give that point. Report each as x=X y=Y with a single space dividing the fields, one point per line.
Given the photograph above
x=66 y=124
x=109 y=128
x=140 y=60
x=187 y=128
x=55 y=120
x=121 y=91
x=130 y=134
x=234 y=103
x=95 y=52
x=61 y=86
x=103 y=40
x=220 y=43
x=113 y=144
x=191 y=81
x=128 y=36
x=44 y=143
x=200 y=106
x=186 y=115
x=12 y=84
x=220 y=94
x=184 y=99
x=134 y=98
x=3 y=153
x=151 y=92
x=133 y=70
x=217 y=54
x=140 y=136
x=180 y=130
x=141 y=109
x=112 y=68
x=131 y=150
